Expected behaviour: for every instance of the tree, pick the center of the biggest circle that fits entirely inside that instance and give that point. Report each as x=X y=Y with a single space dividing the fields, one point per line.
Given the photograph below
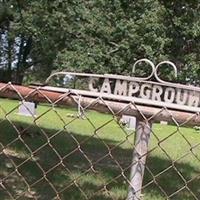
x=29 y=38
x=101 y=36
x=114 y=34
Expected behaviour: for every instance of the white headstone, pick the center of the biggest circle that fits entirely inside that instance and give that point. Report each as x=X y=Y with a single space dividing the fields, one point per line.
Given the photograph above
x=129 y=121
x=27 y=109
x=163 y=122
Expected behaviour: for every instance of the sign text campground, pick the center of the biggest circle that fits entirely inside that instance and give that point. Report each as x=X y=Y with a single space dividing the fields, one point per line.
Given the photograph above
x=147 y=90
x=132 y=89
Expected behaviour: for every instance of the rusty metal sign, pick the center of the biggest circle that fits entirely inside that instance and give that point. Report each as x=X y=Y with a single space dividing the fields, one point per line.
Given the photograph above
x=140 y=90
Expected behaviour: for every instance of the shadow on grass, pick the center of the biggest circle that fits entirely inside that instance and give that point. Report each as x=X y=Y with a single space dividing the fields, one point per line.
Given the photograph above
x=78 y=167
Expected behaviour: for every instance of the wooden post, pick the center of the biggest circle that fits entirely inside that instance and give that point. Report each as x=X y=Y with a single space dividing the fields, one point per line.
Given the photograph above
x=142 y=136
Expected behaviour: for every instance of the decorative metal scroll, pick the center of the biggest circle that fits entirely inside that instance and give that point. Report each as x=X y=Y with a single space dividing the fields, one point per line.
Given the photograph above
x=140 y=90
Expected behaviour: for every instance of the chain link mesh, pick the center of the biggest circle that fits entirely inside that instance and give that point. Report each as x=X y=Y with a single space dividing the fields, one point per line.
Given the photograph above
x=60 y=153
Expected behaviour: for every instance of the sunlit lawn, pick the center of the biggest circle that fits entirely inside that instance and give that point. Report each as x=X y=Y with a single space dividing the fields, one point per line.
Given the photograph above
x=92 y=150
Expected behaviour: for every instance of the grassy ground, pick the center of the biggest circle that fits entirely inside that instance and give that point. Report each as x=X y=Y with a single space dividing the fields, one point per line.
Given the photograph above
x=34 y=155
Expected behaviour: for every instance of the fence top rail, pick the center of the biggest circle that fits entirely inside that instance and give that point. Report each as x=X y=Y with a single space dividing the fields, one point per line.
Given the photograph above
x=118 y=107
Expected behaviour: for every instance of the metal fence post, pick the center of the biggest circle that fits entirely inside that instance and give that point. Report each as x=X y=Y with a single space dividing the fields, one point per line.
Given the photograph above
x=142 y=136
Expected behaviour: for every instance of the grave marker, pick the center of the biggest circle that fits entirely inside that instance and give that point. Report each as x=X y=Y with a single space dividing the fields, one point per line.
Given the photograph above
x=27 y=109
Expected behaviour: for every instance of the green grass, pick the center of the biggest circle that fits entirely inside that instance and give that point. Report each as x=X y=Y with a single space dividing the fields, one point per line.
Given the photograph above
x=98 y=132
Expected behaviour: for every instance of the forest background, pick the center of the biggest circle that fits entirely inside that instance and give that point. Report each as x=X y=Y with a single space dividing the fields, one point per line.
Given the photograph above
x=101 y=36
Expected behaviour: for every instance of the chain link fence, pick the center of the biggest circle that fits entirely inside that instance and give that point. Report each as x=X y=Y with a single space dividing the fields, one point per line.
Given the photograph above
x=77 y=147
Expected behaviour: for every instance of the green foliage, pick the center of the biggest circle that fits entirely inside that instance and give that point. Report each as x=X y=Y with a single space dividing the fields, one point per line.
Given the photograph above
x=99 y=36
